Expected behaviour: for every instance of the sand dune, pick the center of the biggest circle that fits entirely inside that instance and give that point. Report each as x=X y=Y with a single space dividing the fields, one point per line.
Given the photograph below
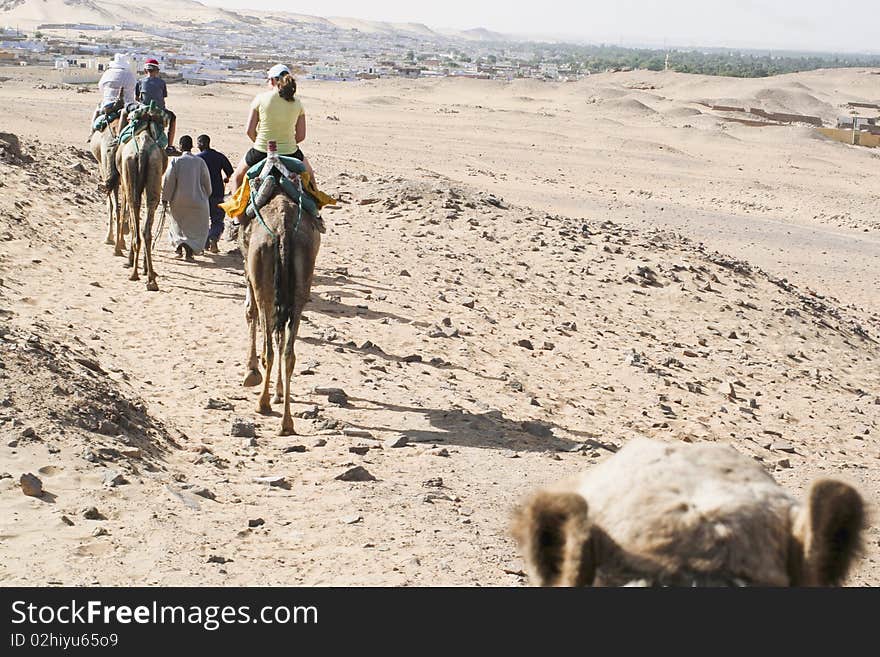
x=627 y=105
x=681 y=112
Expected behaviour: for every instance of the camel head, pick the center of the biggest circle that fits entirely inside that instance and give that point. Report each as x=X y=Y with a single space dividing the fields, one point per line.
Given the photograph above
x=687 y=515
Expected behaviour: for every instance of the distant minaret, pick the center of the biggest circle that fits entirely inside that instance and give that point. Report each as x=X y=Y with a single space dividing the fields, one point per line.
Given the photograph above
x=667 y=62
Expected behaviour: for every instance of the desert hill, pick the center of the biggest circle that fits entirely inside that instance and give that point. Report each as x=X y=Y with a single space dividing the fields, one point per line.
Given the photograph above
x=165 y=14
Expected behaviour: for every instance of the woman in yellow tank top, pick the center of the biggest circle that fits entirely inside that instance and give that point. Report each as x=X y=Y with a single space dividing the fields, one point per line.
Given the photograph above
x=275 y=115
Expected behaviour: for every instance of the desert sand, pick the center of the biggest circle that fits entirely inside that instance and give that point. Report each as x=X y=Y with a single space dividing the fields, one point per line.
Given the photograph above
x=518 y=279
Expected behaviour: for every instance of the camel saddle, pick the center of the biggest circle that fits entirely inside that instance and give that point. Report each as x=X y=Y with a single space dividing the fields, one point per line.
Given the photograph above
x=143 y=118
x=105 y=120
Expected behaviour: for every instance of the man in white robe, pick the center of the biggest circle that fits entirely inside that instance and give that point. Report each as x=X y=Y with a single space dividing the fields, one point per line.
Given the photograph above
x=186 y=189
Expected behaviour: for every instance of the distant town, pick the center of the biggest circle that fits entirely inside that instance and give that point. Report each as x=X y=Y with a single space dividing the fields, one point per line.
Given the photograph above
x=196 y=53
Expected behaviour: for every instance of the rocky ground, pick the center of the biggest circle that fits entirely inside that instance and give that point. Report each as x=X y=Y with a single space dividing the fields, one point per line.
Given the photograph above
x=459 y=351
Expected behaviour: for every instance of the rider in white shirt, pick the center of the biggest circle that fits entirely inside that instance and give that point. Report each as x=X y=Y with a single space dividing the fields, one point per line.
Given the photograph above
x=118 y=76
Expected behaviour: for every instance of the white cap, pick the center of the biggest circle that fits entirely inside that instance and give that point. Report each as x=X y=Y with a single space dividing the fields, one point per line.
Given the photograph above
x=277 y=71
x=120 y=61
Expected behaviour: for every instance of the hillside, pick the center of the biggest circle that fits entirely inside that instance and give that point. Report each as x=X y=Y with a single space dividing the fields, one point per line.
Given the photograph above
x=165 y=14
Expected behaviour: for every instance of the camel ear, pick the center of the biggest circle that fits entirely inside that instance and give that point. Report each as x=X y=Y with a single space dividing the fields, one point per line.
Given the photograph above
x=827 y=535
x=554 y=535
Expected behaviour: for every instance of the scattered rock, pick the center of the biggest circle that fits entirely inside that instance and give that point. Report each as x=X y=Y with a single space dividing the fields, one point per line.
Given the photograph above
x=201 y=491
x=356 y=433
x=525 y=344
x=108 y=428
x=99 y=531
x=781 y=446
x=783 y=464
x=360 y=450
x=434 y=482
x=89 y=364
x=310 y=413
x=278 y=482
x=394 y=443
x=31 y=485
x=299 y=449
x=67 y=521
x=537 y=429
x=357 y=473
x=728 y=390
x=92 y=513
x=114 y=478
x=430 y=498
x=214 y=558
x=336 y=396
x=185 y=497
x=256 y=522
x=219 y=405
x=352 y=519
x=243 y=428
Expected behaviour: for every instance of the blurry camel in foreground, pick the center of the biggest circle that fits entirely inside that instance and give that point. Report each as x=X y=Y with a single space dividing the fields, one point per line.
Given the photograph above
x=657 y=514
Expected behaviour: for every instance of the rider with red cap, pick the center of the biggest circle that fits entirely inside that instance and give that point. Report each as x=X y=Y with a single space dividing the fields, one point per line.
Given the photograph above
x=153 y=88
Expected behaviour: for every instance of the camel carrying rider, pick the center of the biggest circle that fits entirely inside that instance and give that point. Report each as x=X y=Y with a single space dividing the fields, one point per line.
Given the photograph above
x=152 y=88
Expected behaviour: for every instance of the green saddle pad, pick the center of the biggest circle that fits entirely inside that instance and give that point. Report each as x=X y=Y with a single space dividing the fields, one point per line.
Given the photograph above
x=140 y=119
x=307 y=202
x=104 y=120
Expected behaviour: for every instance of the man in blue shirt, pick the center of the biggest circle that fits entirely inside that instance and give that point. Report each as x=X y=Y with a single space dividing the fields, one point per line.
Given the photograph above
x=218 y=165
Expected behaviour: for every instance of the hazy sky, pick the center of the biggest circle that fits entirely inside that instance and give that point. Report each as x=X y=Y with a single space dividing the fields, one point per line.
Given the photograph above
x=845 y=25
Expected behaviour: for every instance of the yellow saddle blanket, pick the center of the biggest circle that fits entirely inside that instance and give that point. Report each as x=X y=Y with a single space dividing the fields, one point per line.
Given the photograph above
x=238 y=203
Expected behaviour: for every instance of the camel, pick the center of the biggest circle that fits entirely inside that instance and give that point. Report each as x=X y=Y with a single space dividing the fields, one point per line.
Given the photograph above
x=105 y=154
x=658 y=514
x=280 y=248
x=141 y=163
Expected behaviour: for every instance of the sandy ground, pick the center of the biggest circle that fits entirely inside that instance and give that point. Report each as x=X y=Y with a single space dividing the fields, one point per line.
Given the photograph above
x=581 y=217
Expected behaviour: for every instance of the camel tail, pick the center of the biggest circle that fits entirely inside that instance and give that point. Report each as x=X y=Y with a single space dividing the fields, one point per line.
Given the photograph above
x=143 y=168
x=285 y=276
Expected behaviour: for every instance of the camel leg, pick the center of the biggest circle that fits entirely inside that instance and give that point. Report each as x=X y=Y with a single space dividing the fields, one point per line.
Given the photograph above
x=289 y=363
x=110 y=208
x=279 y=383
x=121 y=217
x=253 y=376
x=264 y=405
x=134 y=214
x=149 y=272
x=135 y=250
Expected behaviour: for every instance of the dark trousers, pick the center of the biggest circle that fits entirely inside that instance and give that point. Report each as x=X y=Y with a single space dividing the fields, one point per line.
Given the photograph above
x=217 y=215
